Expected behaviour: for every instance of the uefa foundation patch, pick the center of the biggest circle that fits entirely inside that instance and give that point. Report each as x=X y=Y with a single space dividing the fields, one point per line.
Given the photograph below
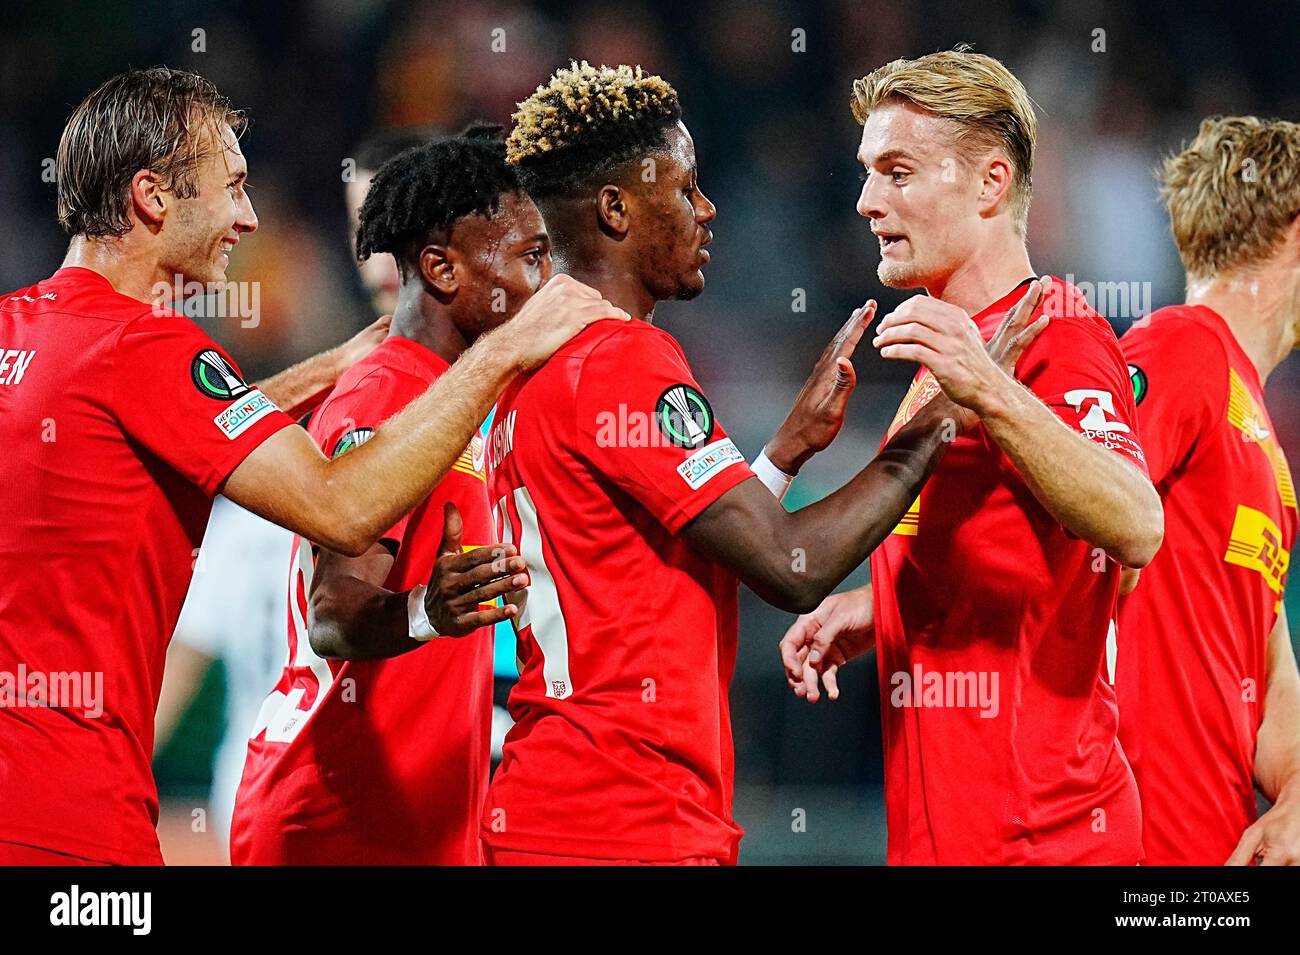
x=708 y=462
x=242 y=414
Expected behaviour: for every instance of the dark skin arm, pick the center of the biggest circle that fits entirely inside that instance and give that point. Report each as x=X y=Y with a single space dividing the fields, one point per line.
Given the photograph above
x=793 y=560
x=353 y=617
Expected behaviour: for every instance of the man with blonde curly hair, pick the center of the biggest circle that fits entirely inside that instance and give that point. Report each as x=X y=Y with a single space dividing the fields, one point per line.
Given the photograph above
x=636 y=513
x=1208 y=689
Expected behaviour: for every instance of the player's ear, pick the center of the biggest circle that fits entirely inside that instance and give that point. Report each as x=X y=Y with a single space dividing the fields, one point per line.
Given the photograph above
x=438 y=270
x=148 y=199
x=612 y=211
x=996 y=186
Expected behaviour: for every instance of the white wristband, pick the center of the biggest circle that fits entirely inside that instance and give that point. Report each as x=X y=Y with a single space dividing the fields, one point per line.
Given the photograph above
x=776 y=480
x=417 y=617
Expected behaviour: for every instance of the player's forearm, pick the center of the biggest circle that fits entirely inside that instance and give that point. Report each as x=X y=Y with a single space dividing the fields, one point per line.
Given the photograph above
x=838 y=532
x=1091 y=491
x=298 y=389
x=1277 y=748
x=355 y=620
x=368 y=489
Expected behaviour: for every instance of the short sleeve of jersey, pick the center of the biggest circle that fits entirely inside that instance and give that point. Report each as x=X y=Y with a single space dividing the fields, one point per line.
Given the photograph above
x=644 y=423
x=1076 y=368
x=182 y=397
x=349 y=418
x=1179 y=374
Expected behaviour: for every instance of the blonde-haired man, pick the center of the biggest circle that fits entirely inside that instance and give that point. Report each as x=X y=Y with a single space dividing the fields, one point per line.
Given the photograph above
x=992 y=601
x=1206 y=674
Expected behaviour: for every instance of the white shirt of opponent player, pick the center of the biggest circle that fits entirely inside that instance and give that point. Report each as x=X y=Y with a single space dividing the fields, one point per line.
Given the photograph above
x=235 y=611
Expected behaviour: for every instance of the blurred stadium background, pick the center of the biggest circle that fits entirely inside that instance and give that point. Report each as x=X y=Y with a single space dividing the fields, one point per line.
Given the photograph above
x=776 y=145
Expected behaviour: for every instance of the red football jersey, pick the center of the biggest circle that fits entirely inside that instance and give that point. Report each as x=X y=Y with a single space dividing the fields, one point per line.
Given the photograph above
x=991 y=626
x=376 y=762
x=119 y=421
x=622 y=740
x=1192 y=662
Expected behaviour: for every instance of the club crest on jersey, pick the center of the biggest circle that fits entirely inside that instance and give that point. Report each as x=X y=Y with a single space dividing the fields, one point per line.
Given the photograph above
x=352 y=439
x=215 y=377
x=684 y=416
x=1139 y=379
x=923 y=388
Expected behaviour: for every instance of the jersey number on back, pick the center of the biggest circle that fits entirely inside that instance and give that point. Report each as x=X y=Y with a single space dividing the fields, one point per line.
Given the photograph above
x=540 y=616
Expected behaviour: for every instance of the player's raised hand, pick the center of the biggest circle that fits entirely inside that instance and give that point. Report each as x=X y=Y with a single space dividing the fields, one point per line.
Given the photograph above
x=1273 y=839
x=818 y=412
x=842 y=628
x=464 y=580
x=558 y=311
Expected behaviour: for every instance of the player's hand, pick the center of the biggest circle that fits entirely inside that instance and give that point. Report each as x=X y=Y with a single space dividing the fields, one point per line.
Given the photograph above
x=818 y=412
x=1273 y=839
x=842 y=628
x=464 y=580
x=558 y=311
x=942 y=337
x=363 y=343
x=1016 y=333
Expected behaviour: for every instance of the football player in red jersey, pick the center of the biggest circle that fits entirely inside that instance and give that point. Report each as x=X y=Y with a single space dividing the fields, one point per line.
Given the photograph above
x=991 y=602
x=1209 y=695
x=123 y=419
x=374 y=746
x=636 y=513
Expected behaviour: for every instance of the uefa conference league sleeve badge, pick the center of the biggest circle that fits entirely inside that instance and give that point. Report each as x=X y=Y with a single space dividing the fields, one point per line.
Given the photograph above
x=215 y=377
x=684 y=416
x=1138 y=378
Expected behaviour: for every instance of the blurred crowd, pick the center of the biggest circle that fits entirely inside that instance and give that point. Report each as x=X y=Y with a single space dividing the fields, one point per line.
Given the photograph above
x=765 y=88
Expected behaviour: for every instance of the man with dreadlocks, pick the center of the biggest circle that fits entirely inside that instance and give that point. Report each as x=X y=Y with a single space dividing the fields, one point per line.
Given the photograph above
x=636 y=513
x=373 y=748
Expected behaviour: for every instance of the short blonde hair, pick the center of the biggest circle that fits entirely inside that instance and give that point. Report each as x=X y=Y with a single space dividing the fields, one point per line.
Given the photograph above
x=989 y=105
x=1233 y=192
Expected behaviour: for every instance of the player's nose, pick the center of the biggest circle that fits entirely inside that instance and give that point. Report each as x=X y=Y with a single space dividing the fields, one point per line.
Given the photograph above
x=245 y=217
x=869 y=203
x=705 y=210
